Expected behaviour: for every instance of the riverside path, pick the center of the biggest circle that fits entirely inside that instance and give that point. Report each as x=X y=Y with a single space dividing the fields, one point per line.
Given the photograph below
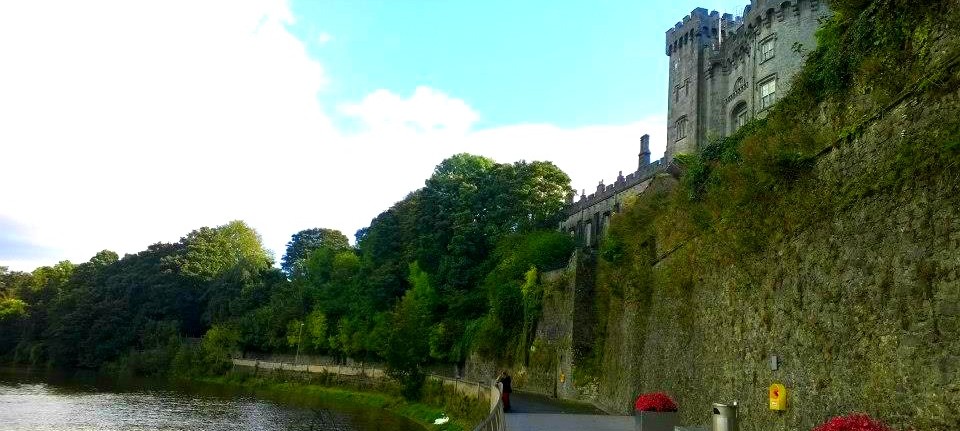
x=539 y=413
x=530 y=412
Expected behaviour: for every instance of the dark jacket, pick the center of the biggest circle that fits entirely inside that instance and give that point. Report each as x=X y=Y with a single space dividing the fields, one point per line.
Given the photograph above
x=505 y=380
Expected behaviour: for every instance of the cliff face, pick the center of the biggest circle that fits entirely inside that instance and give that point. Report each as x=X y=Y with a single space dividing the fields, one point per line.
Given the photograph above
x=846 y=266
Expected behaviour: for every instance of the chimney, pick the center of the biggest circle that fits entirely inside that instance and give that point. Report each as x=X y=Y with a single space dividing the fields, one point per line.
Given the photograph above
x=644 y=152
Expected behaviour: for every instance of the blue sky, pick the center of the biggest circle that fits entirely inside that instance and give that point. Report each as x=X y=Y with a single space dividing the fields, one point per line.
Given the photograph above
x=125 y=123
x=571 y=63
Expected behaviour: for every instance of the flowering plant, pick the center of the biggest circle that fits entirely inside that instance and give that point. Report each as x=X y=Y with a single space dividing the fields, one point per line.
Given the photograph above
x=655 y=402
x=854 y=422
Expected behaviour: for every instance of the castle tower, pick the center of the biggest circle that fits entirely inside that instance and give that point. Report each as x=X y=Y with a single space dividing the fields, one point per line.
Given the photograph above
x=726 y=71
x=685 y=45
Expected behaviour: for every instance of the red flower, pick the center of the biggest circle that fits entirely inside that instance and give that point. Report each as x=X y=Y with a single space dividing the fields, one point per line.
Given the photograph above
x=655 y=402
x=854 y=422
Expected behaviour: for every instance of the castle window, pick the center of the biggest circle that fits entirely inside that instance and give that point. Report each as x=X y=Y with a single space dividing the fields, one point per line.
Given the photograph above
x=766 y=49
x=681 y=128
x=686 y=87
x=739 y=116
x=768 y=93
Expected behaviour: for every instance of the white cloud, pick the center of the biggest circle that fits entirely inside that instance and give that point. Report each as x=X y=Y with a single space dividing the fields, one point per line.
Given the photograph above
x=324 y=38
x=127 y=123
x=427 y=110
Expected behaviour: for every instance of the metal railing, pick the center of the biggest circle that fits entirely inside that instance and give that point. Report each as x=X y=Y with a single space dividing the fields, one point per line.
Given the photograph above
x=495 y=420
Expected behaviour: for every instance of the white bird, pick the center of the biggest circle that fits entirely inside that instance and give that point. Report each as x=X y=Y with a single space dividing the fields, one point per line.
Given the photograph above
x=441 y=420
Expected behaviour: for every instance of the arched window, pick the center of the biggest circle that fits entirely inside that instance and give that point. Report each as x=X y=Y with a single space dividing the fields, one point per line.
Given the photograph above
x=681 y=128
x=738 y=116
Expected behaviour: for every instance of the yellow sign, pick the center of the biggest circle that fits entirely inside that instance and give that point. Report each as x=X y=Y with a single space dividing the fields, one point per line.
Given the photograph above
x=778 y=397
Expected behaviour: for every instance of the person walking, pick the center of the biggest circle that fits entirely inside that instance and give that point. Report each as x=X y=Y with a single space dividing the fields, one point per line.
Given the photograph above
x=505 y=389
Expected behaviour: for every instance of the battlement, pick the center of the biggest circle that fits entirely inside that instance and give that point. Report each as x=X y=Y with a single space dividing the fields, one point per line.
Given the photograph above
x=699 y=27
x=622 y=183
x=704 y=27
x=766 y=12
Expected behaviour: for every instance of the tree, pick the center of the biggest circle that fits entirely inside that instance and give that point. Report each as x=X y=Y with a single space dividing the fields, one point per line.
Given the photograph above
x=408 y=348
x=218 y=346
x=12 y=308
x=387 y=248
x=303 y=243
x=210 y=252
x=316 y=330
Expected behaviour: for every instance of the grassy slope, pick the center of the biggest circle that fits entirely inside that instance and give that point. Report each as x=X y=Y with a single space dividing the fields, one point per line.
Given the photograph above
x=420 y=413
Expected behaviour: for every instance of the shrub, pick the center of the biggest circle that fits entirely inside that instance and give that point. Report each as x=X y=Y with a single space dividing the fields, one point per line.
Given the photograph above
x=854 y=422
x=655 y=402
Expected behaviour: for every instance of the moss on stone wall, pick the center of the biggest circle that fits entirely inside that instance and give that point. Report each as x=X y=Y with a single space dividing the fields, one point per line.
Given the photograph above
x=827 y=234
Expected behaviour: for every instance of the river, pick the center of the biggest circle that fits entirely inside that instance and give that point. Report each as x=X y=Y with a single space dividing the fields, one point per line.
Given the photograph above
x=53 y=402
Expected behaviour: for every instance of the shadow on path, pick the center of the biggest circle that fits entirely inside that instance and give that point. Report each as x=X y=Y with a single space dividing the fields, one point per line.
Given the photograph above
x=533 y=412
x=523 y=402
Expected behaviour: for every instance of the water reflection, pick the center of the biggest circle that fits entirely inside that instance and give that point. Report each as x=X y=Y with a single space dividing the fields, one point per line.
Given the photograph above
x=57 y=403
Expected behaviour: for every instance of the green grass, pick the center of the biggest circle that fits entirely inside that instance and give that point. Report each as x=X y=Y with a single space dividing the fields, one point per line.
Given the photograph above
x=420 y=413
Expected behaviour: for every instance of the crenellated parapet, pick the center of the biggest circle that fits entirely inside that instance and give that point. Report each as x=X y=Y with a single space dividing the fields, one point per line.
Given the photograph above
x=588 y=217
x=700 y=28
x=765 y=13
x=622 y=183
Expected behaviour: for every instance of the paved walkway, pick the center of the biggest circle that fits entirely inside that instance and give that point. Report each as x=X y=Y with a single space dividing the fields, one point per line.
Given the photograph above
x=539 y=413
x=531 y=412
x=563 y=422
x=524 y=402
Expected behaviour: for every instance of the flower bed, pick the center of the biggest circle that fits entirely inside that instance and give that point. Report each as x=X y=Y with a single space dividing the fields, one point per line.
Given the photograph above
x=655 y=402
x=854 y=422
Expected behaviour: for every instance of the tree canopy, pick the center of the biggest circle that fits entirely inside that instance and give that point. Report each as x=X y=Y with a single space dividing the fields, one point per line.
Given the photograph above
x=434 y=277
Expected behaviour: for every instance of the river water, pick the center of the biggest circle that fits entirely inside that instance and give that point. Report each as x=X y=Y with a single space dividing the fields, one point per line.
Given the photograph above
x=47 y=402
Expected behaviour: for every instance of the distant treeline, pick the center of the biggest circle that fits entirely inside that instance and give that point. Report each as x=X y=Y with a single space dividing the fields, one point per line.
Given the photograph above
x=449 y=270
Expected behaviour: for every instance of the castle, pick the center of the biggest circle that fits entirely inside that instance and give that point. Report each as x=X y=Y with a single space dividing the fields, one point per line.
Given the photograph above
x=724 y=71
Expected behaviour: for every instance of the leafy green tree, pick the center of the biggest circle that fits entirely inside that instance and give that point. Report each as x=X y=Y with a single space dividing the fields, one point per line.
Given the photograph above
x=316 y=330
x=514 y=292
x=407 y=348
x=12 y=308
x=294 y=332
x=210 y=252
x=218 y=346
x=305 y=242
x=387 y=248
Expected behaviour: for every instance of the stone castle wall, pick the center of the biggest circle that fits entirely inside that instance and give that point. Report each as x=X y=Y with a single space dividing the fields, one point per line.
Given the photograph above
x=587 y=218
x=862 y=305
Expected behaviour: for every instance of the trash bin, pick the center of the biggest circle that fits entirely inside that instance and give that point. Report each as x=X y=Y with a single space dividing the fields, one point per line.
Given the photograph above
x=725 y=417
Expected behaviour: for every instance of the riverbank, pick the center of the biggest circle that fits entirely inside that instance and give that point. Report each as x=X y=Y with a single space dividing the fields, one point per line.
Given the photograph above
x=464 y=415
x=70 y=400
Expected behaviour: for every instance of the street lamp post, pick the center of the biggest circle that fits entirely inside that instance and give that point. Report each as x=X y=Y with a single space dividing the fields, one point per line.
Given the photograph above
x=296 y=359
